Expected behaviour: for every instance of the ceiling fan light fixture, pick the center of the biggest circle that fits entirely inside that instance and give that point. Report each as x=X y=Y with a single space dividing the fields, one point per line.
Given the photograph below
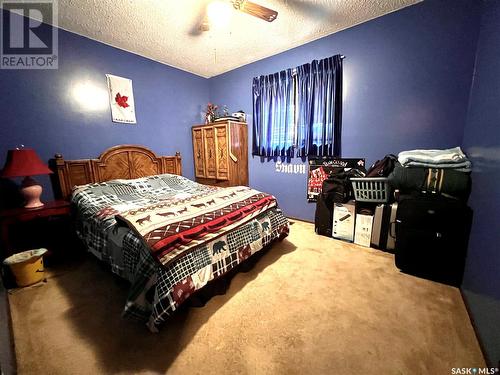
x=219 y=13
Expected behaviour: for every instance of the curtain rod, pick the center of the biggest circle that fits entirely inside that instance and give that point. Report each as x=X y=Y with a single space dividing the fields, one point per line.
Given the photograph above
x=294 y=70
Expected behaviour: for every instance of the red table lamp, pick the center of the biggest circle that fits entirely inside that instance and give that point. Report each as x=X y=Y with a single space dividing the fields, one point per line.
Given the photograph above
x=25 y=162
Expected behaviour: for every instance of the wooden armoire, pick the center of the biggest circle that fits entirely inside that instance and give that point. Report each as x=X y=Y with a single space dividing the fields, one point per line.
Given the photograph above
x=220 y=151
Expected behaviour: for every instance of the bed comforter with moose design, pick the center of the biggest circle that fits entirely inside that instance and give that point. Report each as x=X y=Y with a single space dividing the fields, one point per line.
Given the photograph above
x=170 y=236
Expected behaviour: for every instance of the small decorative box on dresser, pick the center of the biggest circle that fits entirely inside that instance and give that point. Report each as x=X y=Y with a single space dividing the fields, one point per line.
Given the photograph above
x=221 y=153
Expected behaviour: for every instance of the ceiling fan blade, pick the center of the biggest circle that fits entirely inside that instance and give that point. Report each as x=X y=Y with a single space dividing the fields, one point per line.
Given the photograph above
x=257 y=10
x=199 y=28
x=201 y=23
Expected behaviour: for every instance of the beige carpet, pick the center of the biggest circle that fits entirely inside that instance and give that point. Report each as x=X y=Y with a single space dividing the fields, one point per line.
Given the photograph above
x=311 y=305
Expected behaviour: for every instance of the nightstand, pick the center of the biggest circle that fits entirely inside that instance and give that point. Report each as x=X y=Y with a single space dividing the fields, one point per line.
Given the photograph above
x=12 y=222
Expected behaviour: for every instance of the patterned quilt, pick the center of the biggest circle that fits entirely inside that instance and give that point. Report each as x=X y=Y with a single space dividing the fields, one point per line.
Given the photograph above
x=163 y=280
x=175 y=225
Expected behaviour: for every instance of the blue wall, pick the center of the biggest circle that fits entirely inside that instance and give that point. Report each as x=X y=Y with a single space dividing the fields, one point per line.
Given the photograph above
x=407 y=78
x=407 y=83
x=39 y=108
x=482 y=143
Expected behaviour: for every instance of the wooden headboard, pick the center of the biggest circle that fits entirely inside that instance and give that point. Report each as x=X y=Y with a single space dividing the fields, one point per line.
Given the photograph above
x=119 y=162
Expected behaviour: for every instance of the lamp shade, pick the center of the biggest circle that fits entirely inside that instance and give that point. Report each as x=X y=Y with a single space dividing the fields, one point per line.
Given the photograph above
x=24 y=162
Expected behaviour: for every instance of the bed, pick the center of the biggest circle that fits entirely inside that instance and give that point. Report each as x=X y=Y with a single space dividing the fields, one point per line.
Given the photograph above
x=170 y=237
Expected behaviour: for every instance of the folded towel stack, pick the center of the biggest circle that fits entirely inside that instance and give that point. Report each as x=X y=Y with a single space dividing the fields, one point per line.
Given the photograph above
x=452 y=158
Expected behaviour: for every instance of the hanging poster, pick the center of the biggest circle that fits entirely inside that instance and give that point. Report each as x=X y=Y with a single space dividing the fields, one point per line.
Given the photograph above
x=121 y=98
x=321 y=168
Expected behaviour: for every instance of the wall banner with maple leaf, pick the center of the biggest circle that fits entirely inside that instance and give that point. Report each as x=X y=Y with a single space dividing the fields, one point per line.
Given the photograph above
x=121 y=98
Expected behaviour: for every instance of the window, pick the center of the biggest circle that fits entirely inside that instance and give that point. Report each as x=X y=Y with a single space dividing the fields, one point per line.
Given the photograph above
x=299 y=112
x=273 y=119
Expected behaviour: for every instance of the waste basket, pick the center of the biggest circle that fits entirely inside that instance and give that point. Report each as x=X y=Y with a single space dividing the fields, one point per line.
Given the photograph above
x=27 y=266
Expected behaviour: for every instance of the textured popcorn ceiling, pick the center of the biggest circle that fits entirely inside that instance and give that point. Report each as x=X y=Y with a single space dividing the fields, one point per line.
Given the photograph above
x=166 y=30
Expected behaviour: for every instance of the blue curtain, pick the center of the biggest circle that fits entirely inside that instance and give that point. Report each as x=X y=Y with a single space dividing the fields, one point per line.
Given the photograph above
x=273 y=114
x=304 y=93
x=319 y=112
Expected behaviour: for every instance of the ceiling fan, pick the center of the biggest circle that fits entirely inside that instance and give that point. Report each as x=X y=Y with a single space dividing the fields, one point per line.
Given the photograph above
x=255 y=10
x=220 y=8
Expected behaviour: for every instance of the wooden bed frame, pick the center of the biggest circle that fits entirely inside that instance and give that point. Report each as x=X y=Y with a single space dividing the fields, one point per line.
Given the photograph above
x=119 y=162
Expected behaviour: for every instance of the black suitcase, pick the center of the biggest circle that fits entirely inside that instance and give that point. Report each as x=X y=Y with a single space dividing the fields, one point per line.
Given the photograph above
x=432 y=234
x=391 y=236
x=323 y=218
